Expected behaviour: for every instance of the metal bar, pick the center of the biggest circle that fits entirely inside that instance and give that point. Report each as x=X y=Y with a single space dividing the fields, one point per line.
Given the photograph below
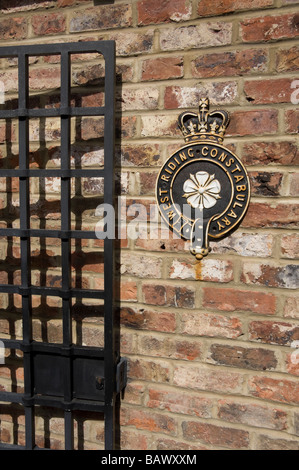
x=109 y=333
x=16 y=232
x=25 y=246
x=45 y=173
x=51 y=112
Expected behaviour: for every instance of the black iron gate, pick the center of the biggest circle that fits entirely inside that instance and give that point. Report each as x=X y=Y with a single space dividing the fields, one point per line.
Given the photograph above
x=65 y=375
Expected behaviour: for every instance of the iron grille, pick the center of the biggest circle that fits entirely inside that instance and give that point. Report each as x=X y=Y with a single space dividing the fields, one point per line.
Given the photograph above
x=66 y=376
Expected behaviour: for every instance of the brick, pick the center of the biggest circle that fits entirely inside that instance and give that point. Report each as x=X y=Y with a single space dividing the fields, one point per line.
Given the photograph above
x=273 y=332
x=44 y=78
x=270 y=153
x=93 y=128
x=208 y=324
x=14 y=6
x=166 y=444
x=216 y=435
x=224 y=64
x=270 y=28
x=177 y=97
x=162 y=68
x=294 y=184
x=155 y=11
x=291 y=307
x=161 y=244
x=134 y=392
x=281 y=390
x=148 y=421
x=208 y=269
x=292 y=121
x=211 y=380
x=252 y=415
x=173 y=296
x=132 y=99
x=13 y=28
x=152 y=371
x=264 y=121
x=290 y=246
x=231 y=300
x=148 y=320
x=245 y=244
x=159 y=126
x=287 y=60
x=180 y=402
x=271 y=215
x=245 y=358
x=206 y=8
x=196 y=36
x=268 y=91
x=292 y=362
x=268 y=443
x=265 y=183
x=141 y=266
x=101 y=17
x=133 y=43
x=146 y=155
x=271 y=275
x=131 y=440
x=50 y=23
x=169 y=348
x=89 y=75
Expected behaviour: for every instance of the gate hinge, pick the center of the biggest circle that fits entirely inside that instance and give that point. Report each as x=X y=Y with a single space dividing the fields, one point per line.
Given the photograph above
x=121 y=375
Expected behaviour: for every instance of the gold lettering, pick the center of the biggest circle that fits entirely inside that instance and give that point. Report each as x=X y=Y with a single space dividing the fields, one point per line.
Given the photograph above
x=162 y=191
x=241 y=187
x=190 y=152
x=237 y=204
x=232 y=214
x=240 y=197
x=220 y=226
x=222 y=157
x=205 y=153
x=177 y=161
x=236 y=169
x=238 y=178
x=164 y=199
x=214 y=152
x=165 y=178
x=183 y=156
x=171 y=215
x=170 y=172
x=226 y=221
x=172 y=165
x=230 y=161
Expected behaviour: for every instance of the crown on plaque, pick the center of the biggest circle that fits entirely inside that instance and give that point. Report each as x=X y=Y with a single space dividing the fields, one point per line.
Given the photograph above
x=204 y=125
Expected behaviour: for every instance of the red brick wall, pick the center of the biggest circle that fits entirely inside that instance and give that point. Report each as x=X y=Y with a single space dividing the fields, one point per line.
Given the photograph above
x=211 y=345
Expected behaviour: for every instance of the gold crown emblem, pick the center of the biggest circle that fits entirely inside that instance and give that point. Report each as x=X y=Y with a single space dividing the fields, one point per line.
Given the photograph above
x=204 y=125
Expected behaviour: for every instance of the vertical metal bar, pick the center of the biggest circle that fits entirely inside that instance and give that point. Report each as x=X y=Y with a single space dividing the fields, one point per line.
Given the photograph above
x=109 y=335
x=25 y=245
x=65 y=242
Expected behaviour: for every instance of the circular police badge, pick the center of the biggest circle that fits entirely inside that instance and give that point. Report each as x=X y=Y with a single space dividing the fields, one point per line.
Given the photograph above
x=203 y=188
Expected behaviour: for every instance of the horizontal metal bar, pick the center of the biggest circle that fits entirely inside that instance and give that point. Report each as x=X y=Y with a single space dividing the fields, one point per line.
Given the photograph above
x=43 y=233
x=75 y=404
x=59 y=349
x=54 y=292
x=11 y=397
x=51 y=112
x=47 y=173
x=11 y=447
x=11 y=343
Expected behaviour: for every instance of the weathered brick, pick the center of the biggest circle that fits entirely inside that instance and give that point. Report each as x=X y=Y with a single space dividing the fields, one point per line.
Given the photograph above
x=237 y=299
x=148 y=320
x=134 y=392
x=101 y=17
x=166 y=444
x=169 y=348
x=162 y=68
x=292 y=361
x=265 y=183
x=268 y=91
x=292 y=121
x=294 y=184
x=267 y=153
x=145 y=155
x=264 y=121
x=246 y=358
x=290 y=246
x=224 y=64
x=252 y=415
x=271 y=275
x=196 y=36
x=179 y=402
x=184 y=97
x=174 y=296
x=132 y=440
x=148 y=420
x=49 y=23
x=287 y=60
x=157 y=370
x=133 y=43
x=208 y=269
x=273 y=332
x=159 y=126
x=155 y=11
x=216 y=435
x=44 y=78
x=13 y=28
x=270 y=28
x=281 y=390
x=14 y=6
x=206 y=8
x=132 y=99
x=141 y=266
x=266 y=442
x=207 y=379
x=208 y=324
x=245 y=244
x=261 y=214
